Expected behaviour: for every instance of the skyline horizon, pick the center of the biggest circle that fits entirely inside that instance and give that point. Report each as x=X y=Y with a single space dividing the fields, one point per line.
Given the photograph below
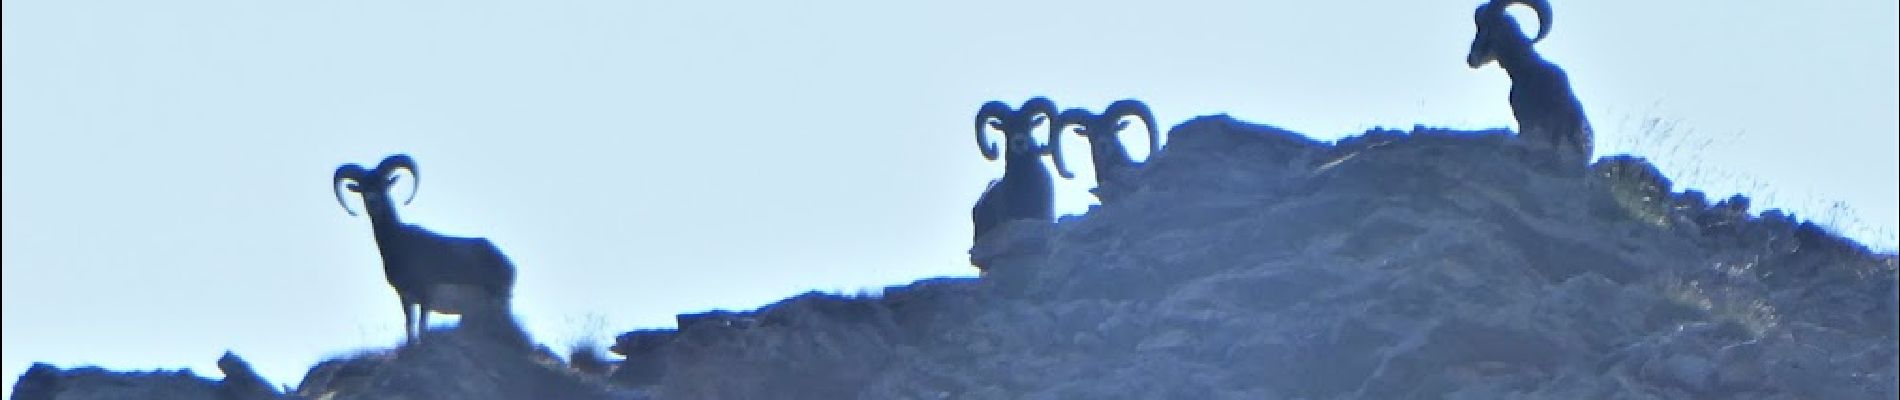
x=640 y=160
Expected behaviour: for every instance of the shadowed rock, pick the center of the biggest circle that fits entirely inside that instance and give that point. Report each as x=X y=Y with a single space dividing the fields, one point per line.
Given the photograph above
x=46 y=382
x=1257 y=263
x=458 y=364
x=242 y=383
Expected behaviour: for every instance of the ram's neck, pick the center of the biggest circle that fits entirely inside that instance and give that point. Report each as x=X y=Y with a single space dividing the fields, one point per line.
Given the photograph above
x=1109 y=151
x=388 y=228
x=1519 y=60
x=1019 y=163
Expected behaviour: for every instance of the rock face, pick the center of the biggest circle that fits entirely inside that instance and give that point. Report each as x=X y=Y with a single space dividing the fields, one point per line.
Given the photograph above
x=45 y=382
x=1248 y=262
x=452 y=365
x=481 y=359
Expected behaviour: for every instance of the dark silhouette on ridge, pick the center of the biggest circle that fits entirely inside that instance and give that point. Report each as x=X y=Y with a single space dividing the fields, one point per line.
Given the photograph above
x=1548 y=114
x=1025 y=191
x=1112 y=162
x=434 y=272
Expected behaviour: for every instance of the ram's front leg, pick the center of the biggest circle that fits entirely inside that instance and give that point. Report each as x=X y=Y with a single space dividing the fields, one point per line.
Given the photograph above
x=408 y=318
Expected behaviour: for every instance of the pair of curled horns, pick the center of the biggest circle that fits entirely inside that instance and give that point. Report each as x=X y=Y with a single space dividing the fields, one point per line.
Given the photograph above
x=1112 y=121
x=1498 y=33
x=1495 y=10
x=1017 y=123
x=357 y=179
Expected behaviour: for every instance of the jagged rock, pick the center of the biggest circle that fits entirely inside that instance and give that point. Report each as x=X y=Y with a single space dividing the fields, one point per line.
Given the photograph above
x=1638 y=187
x=46 y=382
x=1011 y=252
x=644 y=364
x=343 y=375
x=587 y=361
x=816 y=345
x=1250 y=262
x=458 y=364
x=241 y=382
x=1245 y=261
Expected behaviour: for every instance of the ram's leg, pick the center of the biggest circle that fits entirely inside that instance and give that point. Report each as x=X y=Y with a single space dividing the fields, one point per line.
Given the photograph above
x=408 y=318
x=422 y=318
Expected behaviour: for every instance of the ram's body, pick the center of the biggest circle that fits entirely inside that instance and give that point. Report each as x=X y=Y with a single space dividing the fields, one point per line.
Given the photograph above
x=438 y=270
x=429 y=271
x=1026 y=191
x=1547 y=111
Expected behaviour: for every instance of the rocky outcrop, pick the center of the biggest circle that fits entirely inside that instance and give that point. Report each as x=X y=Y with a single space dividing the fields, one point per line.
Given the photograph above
x=1251 y=262
x=1244 y=261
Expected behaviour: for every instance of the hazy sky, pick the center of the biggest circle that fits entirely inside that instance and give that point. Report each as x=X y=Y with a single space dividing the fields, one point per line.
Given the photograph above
x=167 y=164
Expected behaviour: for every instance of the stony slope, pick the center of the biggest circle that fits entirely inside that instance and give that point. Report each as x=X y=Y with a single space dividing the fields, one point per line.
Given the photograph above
x=1249 y=262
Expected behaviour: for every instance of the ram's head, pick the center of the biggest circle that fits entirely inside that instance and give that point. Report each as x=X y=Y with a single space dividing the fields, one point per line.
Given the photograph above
x=1103 y=130
x=374 y=184
x=1497 y=32
x=1018 y=127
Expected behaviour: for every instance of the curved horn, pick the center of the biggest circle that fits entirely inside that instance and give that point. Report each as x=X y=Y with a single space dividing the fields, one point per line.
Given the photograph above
x=1037 y=105
x=1047 y=108
x=1138 y=109
x=351 y=172
x=992 y=110
x=1541 y=7
x=1074 y=116
x=389 y=166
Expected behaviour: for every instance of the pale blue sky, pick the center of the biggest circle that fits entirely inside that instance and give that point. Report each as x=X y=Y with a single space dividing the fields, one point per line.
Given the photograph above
x=167 y=164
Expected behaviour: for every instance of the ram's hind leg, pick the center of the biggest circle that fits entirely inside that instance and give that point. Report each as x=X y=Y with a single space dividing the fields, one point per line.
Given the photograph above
x=422 y=319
